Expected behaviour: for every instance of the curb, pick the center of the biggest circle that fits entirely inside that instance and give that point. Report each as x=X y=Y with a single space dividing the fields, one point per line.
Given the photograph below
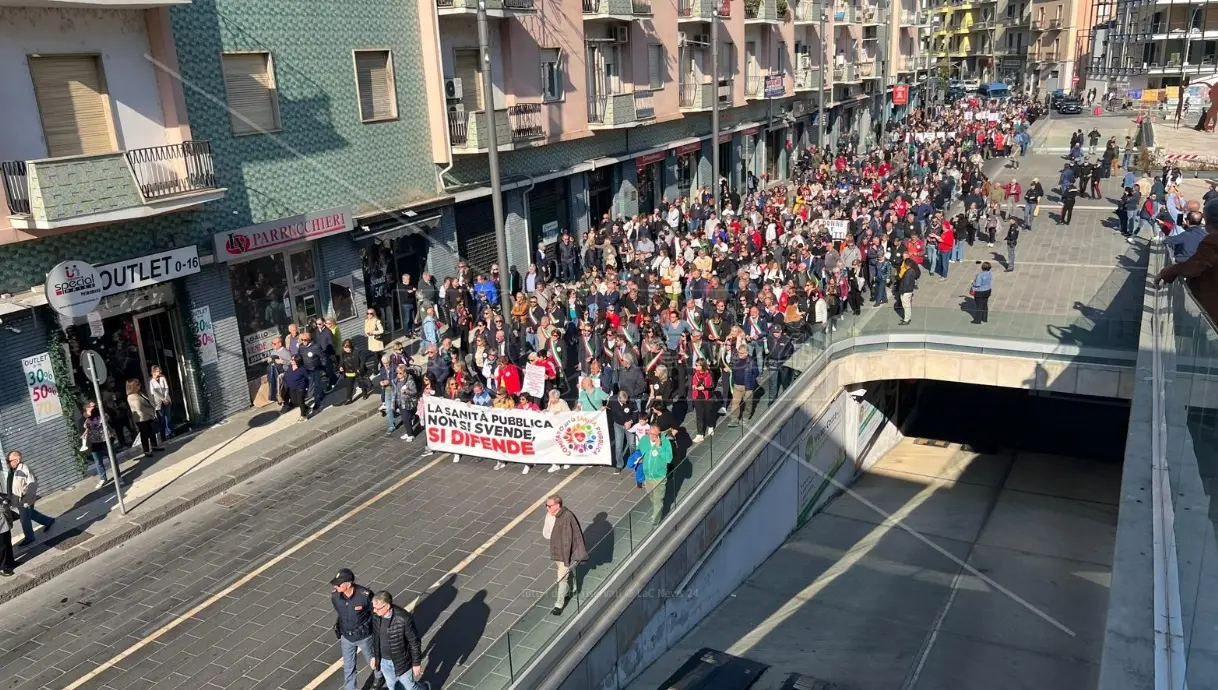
x=27 y=579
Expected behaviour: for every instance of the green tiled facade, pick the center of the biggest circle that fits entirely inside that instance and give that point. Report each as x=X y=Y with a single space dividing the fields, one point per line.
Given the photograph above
x=322 y=157
x=69 y=187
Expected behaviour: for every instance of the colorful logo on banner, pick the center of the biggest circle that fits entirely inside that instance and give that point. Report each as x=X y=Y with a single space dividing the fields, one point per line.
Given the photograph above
x=900 y=94
x=579 y=436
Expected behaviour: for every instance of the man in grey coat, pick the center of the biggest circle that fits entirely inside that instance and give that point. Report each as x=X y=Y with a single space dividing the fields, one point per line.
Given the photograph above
x=567 y=548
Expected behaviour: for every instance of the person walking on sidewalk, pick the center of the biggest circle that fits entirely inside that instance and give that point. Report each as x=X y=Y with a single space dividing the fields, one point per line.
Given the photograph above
x=561 y=528
x=982 y=287
x=1012 y=239
x=94 y=438
x=351 y=367
x=144 y=413
x=296 y=381
x=158 y=386
x=1093 y=140
x=907 y=281
x=655 y=455
x=1031 y=200
x=396 y=647
x=1069 y=196
x=353 y=625
x=7 y=517
x=21 y=487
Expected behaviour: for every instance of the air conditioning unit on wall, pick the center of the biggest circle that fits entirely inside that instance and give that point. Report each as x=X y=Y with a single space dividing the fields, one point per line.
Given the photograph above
x=621 y=34
x=452 y=89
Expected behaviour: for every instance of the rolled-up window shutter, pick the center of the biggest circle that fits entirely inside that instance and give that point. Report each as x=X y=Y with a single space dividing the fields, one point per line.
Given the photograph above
x=251 y=93
x=72 y=105
x=375 y=85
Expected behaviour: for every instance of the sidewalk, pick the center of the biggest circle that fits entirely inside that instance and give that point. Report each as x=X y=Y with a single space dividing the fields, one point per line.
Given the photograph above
x=194 y=468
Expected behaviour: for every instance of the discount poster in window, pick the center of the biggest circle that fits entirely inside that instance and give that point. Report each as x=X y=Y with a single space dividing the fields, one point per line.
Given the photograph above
x=44 y=394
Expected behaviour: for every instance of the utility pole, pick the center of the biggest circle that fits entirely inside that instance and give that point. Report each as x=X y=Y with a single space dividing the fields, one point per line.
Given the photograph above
x=1188 y=45
x=492 y=142
x=714 y=38
x=824 y=72
x=885 y=53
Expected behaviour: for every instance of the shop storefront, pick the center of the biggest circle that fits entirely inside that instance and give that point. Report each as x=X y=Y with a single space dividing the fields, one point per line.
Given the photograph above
x=687 y=167
x=139 y=325
x=389 y=250
x=275 y=275
x=600 y=194
x=650 y=172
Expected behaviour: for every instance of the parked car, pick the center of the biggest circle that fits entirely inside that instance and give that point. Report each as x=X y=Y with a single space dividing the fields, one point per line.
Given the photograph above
x=1069 y=105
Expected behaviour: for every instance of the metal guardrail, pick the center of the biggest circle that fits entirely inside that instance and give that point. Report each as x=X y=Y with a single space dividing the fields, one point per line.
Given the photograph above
x=458 y=127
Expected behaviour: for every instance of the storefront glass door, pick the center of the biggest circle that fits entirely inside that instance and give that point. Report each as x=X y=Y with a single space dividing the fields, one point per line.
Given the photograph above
x=154 y=331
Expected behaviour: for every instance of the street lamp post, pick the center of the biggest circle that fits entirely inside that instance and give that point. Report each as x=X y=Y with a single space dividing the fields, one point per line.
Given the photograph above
x=820 y=99
x=492 y=142
x=714 y=37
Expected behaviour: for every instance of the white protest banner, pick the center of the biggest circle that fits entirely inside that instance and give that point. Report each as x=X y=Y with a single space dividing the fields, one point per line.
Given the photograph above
x=570 y=438
x=44 y=394
x=534 y=380
x=205 y=334
x=838 y=229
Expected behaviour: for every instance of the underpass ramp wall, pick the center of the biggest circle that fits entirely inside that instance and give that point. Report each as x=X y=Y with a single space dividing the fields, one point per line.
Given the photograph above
x=847 y=436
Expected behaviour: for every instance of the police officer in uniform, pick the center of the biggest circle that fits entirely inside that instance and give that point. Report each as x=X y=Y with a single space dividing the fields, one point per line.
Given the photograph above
x=353 y=627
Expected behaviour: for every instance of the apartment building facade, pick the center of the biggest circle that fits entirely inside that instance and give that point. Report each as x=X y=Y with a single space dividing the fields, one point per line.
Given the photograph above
x=230 y=168
x=1057 y=50
x=963 y=36
x=620 y=117
x=220 y=164
x=1153 y=45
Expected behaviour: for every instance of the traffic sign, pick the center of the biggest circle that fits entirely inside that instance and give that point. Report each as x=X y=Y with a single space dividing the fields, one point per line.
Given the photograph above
x=93 y=366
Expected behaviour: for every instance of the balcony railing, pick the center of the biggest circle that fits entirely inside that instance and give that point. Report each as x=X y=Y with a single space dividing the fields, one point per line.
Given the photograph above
x=525 y=121
x=64 y=192
x=165 y=171
x=845 y=14
x=761 y=10
x=867 y=69
x=458 y=127
x=615 y=110
x=1047 y=24
x=726 y=95
x=753 y=86
x=644 y=105
x=16 y=187
x=493 y=5
x=689 y=94
x=809 y=11
x=810 y=79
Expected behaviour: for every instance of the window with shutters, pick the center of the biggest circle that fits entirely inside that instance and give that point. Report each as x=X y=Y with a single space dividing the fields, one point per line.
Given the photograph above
x=374 y=85
x=467 y=65
x=73 y=105
x=249 y=81
x=551 y=74
x=655 y=66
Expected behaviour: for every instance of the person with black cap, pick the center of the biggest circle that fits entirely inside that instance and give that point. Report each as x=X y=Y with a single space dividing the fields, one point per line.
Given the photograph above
x=353 y=627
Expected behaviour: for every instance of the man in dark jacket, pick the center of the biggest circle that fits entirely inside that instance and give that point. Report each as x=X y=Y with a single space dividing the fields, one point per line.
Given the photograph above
x=630 y=379
x=1012 y=240
x=907 y=282
x=353 y=626
x=744 y=382
x=396 y=647
x=314 y=362
x=779 y=349
x=566 y=538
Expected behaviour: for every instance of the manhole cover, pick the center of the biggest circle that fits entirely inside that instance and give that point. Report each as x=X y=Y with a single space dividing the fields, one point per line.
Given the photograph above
x=230 y=500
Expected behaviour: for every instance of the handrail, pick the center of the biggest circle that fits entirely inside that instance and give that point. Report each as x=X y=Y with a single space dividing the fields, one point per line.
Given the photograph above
x=1169 y=645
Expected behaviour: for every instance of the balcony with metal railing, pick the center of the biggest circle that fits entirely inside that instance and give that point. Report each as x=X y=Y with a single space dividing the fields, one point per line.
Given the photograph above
x=702 y=10
x=867 y=69
x=515 y=125
x=809 y=79
x=845 y=14
x=607 y=111
x=697 y=95
x=726 y=92
x=868 y=15
x=760 y=11
x=754 y=86
x=71 y=191
x=622 y=10
x=809 y=12
x=1054 y=24
x=494 y=8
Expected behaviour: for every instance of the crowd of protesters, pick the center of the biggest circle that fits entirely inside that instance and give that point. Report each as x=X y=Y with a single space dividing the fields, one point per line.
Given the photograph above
x=698 y=306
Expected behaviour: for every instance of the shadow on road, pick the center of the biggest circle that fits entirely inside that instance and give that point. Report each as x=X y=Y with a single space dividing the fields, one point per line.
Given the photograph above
x=455 y=641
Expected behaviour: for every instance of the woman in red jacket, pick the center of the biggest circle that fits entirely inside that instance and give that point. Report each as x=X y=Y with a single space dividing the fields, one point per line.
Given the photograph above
x=700 y=385
x=947 y=240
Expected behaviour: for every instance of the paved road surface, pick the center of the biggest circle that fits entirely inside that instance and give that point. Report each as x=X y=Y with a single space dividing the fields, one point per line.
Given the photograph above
x=254 y=625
